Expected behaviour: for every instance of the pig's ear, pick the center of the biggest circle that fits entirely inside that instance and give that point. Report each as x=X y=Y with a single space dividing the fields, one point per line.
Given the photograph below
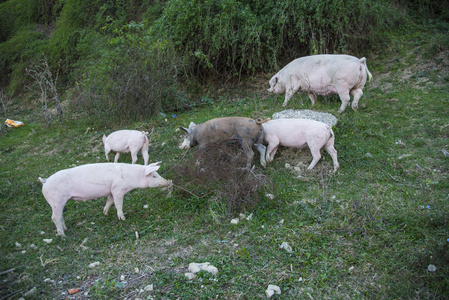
x=152 y=168
x=188 y=130
x=191 y=125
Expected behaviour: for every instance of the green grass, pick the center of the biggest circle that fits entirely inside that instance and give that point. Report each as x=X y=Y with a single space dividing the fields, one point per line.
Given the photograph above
x=368 y=232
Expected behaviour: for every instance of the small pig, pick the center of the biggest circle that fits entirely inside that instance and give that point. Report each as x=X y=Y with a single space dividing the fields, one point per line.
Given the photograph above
x=91 y=181
x=323 y=74
x=248 y=131
x=300 y=133
x=124 y=141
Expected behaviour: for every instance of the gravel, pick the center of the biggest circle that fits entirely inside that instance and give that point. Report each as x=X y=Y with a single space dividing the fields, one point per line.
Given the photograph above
x=306 y=114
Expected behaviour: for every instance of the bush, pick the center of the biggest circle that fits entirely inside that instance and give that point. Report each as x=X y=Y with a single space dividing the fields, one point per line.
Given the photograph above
x=231 y=38
x=132 y=79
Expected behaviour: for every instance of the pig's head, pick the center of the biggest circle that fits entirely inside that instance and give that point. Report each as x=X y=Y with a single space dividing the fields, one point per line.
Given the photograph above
x=188 y=140
x=276 y=87
x=153 y=179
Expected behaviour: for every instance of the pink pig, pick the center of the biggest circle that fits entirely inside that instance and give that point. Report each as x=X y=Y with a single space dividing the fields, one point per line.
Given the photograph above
x=300 y=133
x=324 y=74
x=123 y=141
x=91 y=181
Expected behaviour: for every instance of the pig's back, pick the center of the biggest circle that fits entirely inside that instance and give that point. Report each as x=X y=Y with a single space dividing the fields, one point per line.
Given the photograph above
x=293 y=131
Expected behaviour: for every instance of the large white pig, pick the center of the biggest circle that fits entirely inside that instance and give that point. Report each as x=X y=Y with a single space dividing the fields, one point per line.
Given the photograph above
x=323 y=74
x=92 y=181
x=300 y=133
x=247 y=131
x=123 y=141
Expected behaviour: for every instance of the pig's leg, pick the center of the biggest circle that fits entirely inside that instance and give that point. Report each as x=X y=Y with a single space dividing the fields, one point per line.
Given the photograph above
x=117 y=155
x=357 y=94
x=145 y=156
x=312 y=97
x=134 y=156
x=108 y=205
x=316 y=156
x=118 y=202
x=273 y=144
x=344 y=97
x=107 y=150
x=262 y=150
x=57 y=218
x=248 y=151
x=333 y=153
x=291 y=88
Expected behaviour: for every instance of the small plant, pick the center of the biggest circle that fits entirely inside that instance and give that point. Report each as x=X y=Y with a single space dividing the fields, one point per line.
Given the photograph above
x=47 y=83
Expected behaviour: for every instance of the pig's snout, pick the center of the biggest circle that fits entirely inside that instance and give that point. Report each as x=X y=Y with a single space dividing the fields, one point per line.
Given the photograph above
x=185 y=145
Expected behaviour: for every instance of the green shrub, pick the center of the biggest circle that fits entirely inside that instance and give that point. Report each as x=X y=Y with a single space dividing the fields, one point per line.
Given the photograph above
x=131 y=79
x=230 y=38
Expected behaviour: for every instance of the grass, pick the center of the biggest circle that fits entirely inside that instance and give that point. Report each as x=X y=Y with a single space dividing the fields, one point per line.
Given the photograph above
x=368 y=232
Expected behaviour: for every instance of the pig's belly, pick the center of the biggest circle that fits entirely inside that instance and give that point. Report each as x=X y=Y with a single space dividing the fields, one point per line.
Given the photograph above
x=293 y=143
x=90 y=191
x=324 y=90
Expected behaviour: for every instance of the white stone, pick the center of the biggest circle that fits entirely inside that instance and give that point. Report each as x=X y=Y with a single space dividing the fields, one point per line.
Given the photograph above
x=235 y=221
x=149 y=288
x=189 y=276
x=94 y=264
x=286 y=246
x=249 y=217
x=269 y=293
x=272 y=289
x=194 y=268
x=211 y=269
x=48 y=241
x=122 y=277
x=18 y=245
x=146 y=206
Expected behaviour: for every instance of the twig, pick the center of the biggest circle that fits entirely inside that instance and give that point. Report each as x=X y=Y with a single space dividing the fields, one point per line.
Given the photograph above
x=191 y=192
x=7 y=271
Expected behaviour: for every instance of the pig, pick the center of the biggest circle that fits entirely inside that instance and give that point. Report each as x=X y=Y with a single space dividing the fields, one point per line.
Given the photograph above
x=92 y=181
x=323 y=74
x=248 y=131
x=123 y=141
x=300 y=133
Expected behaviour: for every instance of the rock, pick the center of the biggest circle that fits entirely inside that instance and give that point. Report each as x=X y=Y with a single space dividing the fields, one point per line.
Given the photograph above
x=196 y=267
x=235 y=221
x=94 y=264
x=31 y=292
x=270 y=196
x=18 y=245
x=286 y=246
x=149 y=288
x=189 y=276
x=306 y=114
x=272 y=289
x=48 y=241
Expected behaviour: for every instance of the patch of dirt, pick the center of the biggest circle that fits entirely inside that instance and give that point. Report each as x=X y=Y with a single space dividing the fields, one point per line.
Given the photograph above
x=414 y=70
